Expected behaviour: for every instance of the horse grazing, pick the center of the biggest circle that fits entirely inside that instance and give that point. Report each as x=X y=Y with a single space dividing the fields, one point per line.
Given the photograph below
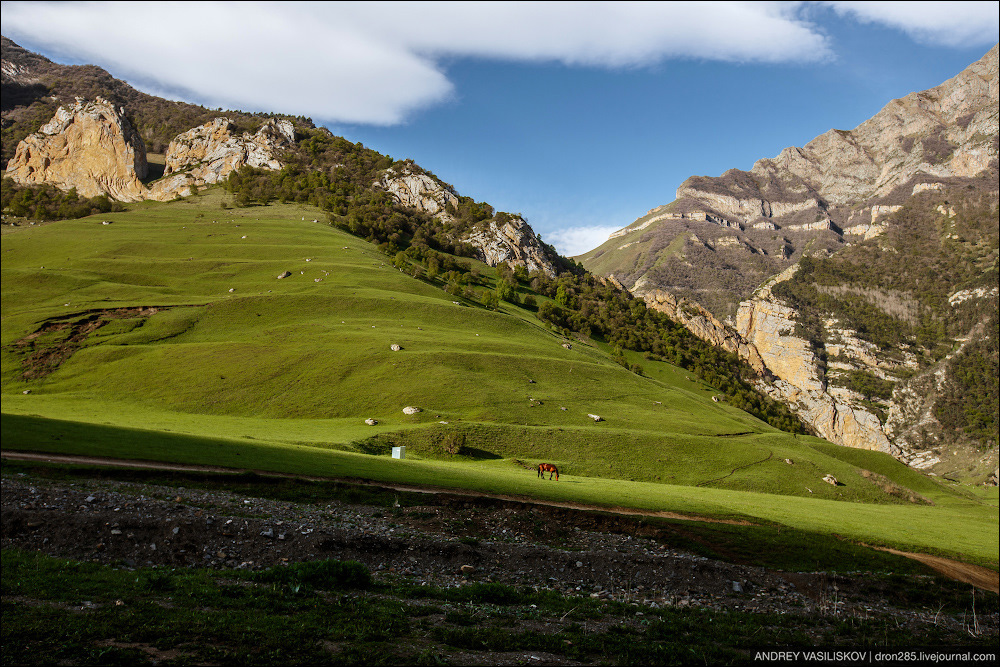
x=548 y=468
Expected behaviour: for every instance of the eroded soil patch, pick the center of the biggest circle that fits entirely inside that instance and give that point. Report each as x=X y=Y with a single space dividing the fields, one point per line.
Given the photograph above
x=57 y=339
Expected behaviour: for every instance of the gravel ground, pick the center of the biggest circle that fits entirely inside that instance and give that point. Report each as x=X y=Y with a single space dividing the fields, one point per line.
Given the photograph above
x=455 y=540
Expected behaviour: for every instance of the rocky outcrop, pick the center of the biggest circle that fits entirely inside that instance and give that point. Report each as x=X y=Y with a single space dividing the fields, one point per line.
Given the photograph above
x=419 y=191
x=207 y=154
x=701 y=323
x=788 y=368
x=505 y=238
x=90 y=146
x=768 y=327
x=511 y=241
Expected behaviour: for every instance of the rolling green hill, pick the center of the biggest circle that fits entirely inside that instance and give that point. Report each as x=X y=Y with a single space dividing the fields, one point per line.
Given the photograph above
x=197 y=321
x=167 y=335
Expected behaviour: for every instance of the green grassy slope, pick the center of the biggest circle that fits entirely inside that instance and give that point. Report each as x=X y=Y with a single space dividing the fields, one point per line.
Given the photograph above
x=284 y=372
x=955 y=525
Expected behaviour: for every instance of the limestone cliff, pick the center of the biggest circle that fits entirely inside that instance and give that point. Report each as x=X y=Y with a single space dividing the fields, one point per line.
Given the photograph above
x=768 y=325
x=419 y=191
x=787 y=366
x=512 y=241
x=702 y=324
x=504 y=238
x=90 y=146
x=207 y=154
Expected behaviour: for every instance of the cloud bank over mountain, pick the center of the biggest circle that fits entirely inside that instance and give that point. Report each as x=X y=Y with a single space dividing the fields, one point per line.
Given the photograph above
x=378 y=63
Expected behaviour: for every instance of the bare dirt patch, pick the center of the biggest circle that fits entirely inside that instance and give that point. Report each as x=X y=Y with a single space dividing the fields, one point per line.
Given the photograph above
x=57 y=339
x=980 y=577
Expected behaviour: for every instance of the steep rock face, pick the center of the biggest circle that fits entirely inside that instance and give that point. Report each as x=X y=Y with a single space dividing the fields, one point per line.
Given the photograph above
x=505 y=238
x=511 y=241
x=418 y=191
x=943 y=132
x=90 y=146
x=768 y=326
x=787 y=366
x=701 y=323
x=207 y=154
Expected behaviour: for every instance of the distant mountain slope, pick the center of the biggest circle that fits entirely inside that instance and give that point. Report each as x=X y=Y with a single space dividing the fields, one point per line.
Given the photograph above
x=723 y=236
x=878 y=325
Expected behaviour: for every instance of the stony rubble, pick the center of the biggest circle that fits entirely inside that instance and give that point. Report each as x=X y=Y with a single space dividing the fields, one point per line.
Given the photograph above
x=134 y=525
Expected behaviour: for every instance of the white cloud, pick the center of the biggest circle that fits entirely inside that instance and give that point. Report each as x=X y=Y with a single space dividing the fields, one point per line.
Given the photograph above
x=378 y=62
x=942 y=23
x=572 y=241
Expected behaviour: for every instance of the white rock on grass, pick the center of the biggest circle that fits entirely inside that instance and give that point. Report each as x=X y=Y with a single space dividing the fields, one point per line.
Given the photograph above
x=411 y=410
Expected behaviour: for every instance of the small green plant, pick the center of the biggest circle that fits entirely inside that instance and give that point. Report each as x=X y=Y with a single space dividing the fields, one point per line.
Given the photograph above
x=322 y=574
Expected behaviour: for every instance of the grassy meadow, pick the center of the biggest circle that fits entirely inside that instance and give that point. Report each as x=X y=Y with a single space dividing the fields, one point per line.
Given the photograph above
x=205 y=356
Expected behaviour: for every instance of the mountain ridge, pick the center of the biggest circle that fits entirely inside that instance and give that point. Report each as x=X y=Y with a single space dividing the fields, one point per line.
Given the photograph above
x=723 y=258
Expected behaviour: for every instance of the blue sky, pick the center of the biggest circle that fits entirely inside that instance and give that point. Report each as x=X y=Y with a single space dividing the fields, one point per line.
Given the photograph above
x=580 y=116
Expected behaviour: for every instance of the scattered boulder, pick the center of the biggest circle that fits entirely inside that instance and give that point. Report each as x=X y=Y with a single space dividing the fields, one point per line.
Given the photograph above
x=789 y=461
x=395 y=347
x=567 y=346
x=411 y=410
x=596 y=418
x=468 y=569
x=830 y=479
x=371 y=422
x=284 y=275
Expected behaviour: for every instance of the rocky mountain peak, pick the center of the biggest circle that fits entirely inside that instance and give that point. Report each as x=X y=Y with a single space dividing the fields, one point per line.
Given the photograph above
x=723 y=257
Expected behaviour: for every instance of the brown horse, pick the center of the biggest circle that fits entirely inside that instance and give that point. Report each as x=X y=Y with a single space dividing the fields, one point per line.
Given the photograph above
x=548 y=468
